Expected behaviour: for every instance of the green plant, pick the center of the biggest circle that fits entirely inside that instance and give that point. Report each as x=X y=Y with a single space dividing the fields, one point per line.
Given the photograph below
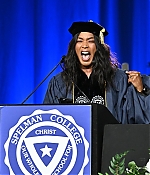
x=133 y=169
x=117 y=166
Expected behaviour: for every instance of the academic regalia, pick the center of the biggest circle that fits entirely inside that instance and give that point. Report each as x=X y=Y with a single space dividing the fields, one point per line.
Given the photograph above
x=122 y=100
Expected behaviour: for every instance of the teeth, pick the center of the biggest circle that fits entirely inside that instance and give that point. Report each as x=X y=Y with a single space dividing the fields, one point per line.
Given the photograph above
x=85 y=53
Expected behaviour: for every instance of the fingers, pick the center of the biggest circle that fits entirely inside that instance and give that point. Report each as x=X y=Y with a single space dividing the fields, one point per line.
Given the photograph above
x=135 y=78
x=133 y=75
x=129 y=72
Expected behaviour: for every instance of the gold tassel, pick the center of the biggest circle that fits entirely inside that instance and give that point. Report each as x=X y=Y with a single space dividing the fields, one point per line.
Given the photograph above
x=73 y=92
x=101 y=35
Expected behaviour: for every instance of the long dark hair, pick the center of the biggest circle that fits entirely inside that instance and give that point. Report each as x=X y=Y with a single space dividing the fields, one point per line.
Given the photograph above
x=104 y=64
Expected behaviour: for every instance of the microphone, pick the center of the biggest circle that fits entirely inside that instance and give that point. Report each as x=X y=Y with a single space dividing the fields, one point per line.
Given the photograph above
x=125 y=66
x=61 y=61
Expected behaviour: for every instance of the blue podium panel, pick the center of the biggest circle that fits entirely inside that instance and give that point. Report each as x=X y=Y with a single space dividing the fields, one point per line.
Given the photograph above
x=45 y=140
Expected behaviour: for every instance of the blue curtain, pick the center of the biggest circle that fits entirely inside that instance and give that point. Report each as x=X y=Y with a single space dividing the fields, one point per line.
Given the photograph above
x=34 y=36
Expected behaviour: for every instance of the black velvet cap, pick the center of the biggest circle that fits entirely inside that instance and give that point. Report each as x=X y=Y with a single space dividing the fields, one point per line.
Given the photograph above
x=89 y=26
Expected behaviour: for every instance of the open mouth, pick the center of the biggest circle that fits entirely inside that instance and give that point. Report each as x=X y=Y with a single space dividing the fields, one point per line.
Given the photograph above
x=85 y=55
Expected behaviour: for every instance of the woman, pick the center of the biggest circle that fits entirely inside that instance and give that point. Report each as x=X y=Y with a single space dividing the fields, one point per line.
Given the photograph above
x=91 y=75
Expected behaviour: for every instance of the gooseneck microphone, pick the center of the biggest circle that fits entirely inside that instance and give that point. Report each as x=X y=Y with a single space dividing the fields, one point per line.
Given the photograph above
x=43 y=80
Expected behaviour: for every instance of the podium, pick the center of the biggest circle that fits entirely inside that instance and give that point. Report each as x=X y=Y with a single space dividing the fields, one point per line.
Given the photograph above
x=52 y=139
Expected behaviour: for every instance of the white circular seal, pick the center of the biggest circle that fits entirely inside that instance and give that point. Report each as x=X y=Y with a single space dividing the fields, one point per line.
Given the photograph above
x=47 y=143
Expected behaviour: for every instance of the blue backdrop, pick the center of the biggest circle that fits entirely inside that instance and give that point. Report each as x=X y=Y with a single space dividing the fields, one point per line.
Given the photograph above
x=34 y=36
